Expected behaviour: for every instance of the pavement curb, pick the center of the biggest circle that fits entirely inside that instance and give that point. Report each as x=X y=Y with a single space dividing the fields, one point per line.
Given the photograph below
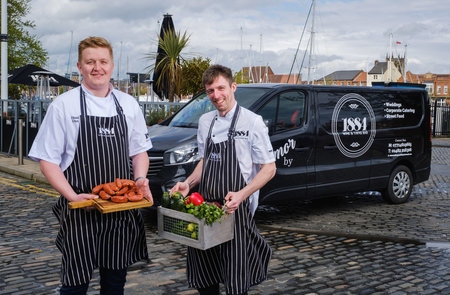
x=359 y=236
x=24 y=172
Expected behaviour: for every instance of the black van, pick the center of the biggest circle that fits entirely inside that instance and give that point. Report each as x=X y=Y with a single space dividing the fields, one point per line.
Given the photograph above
x=327 y=140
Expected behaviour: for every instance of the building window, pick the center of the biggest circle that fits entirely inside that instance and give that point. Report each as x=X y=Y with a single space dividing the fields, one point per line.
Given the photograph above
x=342 y=83
x=429 y=88
x=439 y=89
x=375 y=77
x=445 y=89
x=348 y=83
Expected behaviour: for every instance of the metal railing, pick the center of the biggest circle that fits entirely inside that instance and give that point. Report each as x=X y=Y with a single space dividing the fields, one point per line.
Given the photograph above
x=440 y=118
x=32 y=112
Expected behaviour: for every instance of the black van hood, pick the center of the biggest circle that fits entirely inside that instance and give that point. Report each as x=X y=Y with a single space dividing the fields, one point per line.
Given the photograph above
x=165 y=137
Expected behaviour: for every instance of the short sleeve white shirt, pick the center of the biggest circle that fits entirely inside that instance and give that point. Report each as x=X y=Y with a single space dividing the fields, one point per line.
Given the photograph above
x=57 y=137
x=252 y=142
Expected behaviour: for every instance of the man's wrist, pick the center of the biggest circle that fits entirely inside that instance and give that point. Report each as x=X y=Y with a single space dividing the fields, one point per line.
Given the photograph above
x=140 y=177
x=189 y=183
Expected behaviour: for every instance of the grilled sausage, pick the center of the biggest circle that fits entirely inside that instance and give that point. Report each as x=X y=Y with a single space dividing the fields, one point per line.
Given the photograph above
x=104 y=195
x=97 y=189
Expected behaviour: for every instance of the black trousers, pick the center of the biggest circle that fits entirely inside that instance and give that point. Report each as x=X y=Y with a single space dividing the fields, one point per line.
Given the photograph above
x=112 y=282
x=212 y=290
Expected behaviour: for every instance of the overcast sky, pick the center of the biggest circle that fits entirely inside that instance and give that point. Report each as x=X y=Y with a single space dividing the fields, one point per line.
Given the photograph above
x=349 y=35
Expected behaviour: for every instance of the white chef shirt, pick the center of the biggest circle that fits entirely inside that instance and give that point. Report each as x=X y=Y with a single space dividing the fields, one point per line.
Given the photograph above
x=252 y=142
x=57 y=138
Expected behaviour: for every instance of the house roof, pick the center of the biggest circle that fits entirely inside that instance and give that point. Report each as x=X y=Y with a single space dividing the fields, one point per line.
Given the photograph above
x=379 y=68
x=342 y=75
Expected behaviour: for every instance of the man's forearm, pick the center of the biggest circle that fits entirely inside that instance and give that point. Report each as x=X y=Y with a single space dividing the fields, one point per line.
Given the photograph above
x=195 y=176
x=57 y=179
x=140 y=165
x=264 y=175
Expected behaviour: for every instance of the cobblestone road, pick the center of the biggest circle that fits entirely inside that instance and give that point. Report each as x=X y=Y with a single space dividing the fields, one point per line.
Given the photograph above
x=350 y=245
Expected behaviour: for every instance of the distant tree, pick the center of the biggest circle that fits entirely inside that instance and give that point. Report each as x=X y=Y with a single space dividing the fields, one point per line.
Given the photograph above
x=241 y=77
x=172 y=43
x=23 y=47
x=191 y=75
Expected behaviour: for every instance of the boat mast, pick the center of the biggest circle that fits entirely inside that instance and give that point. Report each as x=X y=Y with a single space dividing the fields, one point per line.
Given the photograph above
x=311 y=41
x=260 y=54
x=69 y=68
x=242 y=55
x=404 y=65
x=299 y=42
x=390 y=58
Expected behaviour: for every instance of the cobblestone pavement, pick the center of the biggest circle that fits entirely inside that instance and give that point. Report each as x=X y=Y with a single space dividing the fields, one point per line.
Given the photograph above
x=349 y=245
x=425 y=217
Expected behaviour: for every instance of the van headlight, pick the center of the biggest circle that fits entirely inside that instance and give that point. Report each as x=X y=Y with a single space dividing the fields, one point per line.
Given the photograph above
x=182 y=154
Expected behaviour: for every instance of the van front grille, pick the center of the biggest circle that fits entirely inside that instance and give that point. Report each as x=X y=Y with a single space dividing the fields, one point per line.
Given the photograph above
x=156 y=164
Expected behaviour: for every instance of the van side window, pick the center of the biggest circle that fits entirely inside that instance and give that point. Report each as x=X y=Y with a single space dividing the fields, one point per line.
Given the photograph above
x=284 y=111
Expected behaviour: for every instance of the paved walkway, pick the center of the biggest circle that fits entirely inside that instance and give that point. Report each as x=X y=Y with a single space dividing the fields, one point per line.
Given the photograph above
x=302 y=262
x=353 y=245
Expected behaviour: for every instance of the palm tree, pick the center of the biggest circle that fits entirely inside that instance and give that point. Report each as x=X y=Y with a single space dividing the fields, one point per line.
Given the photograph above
x=171 y=43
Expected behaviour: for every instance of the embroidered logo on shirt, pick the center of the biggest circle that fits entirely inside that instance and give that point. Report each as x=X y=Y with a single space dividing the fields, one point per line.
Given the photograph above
x=75 y=119
x=107 y=132
x=241 y=133
x=215 y=157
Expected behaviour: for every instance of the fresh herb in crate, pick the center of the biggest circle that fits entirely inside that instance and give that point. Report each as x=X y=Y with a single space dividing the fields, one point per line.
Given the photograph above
x=195 y=205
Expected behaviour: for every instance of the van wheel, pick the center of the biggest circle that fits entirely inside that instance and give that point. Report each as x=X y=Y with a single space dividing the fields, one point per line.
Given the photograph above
x=400 y=186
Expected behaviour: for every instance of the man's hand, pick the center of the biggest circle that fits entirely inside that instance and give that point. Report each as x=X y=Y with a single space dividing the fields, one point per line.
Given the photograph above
x=233 y=200
x=83 y=197
x=181 y=187
x=143 y=185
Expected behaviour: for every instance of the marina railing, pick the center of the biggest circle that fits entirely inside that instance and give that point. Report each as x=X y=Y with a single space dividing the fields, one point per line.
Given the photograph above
x=440 y=118
x=24 y=117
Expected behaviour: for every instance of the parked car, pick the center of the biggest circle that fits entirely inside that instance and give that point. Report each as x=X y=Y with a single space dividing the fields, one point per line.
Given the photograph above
x=327 y=140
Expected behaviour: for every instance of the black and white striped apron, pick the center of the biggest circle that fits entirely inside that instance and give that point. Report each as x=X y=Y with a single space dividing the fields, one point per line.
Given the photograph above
x=243 y=261
x=89 y=239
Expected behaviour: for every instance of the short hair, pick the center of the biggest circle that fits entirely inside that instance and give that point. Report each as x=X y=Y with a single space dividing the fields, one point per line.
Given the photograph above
x=94 y=42
x=215 y=71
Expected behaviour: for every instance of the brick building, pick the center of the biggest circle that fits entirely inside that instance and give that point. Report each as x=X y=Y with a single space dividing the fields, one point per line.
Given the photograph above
x=344 y=78
x=264 y=74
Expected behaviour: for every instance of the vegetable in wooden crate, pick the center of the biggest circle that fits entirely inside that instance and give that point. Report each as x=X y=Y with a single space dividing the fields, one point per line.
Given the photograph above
x=193 y=204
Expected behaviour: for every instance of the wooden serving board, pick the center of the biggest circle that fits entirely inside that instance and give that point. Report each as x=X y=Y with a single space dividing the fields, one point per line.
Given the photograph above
x=106 y=206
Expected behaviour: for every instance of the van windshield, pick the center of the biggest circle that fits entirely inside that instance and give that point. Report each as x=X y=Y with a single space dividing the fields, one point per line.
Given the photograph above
x=189 y=115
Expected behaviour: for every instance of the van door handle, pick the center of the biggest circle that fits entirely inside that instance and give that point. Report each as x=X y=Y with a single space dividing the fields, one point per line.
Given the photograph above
x=302 y=149
x=329 y=147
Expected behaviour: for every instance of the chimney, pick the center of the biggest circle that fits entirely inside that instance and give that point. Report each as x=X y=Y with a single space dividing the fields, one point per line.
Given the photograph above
x=376 y=61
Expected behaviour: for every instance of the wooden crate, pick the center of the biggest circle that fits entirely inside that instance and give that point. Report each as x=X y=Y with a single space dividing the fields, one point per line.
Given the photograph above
x=172 y=225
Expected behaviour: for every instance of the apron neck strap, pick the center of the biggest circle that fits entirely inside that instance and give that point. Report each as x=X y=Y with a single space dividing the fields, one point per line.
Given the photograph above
x=233 y=122
x=83 y=103
x=232 y=125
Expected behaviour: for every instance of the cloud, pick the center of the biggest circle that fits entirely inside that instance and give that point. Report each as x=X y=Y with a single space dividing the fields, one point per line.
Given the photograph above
x=348 y=34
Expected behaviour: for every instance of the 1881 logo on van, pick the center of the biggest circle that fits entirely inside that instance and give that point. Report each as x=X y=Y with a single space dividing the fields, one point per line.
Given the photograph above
x=353 y=125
